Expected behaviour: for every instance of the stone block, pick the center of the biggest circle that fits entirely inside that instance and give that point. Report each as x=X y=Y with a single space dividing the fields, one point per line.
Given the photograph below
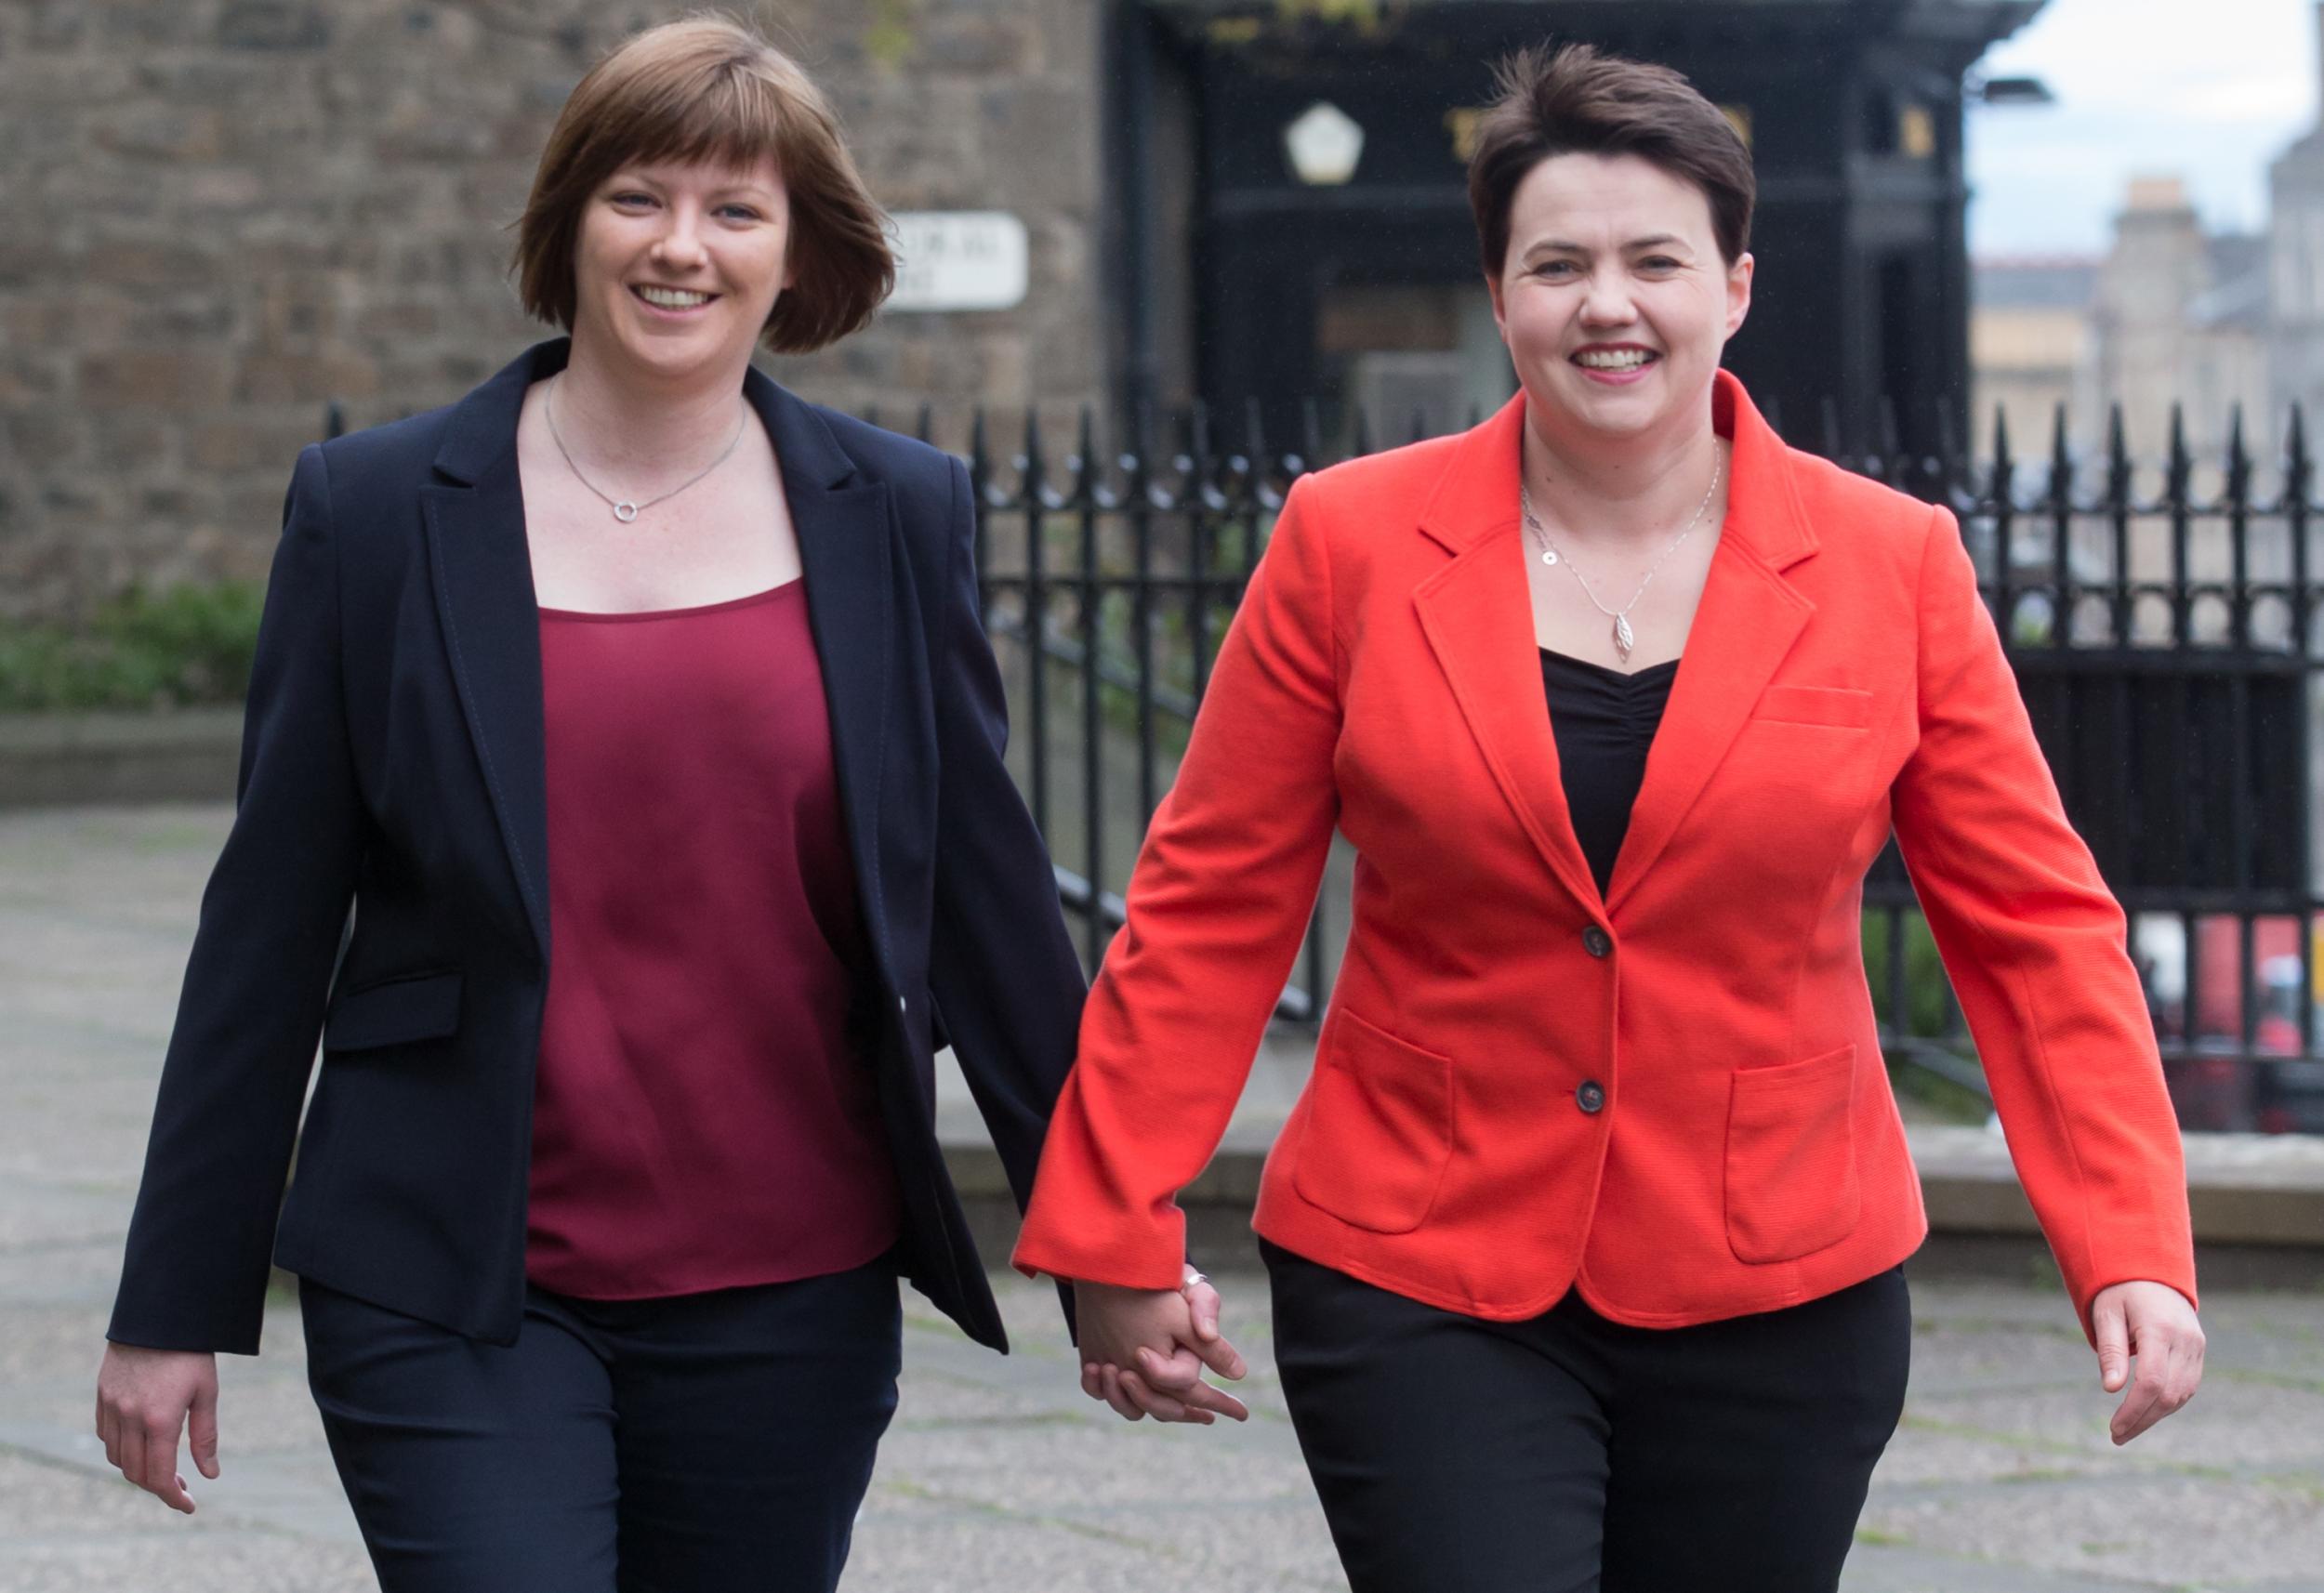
x=159 y=378
x=400 y=319
x=242 y=441
x=272 y=25
x=61 y=85
x=431 y=135
x=82 y=514
x=298 y=311
x=163 y=132
x=26 y=265
x=135 y=447
x=1044 y=143
x=165 y=262
x=54 y=25
x=37 y=572
x=150 y=22
x=979 y=41
x=55 y=434
x=177 y=318
x=27 y=378
x=213 y=188
x=305 y=377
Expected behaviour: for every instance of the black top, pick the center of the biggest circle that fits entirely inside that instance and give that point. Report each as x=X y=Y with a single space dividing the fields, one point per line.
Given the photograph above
x=1604 y=721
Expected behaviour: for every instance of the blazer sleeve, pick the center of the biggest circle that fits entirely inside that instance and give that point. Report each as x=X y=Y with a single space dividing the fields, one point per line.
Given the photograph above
x=251 y=1011
x=1001 y=965
x=1218 y=904
x=2036 y=947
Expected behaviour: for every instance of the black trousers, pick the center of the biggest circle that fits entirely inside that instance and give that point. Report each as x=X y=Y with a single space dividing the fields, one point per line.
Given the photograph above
x=1568 y=1453
x=703 y=1443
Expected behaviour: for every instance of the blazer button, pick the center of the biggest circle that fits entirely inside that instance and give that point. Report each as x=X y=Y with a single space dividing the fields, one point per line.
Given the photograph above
x=1590 y=1097
x=903 y=1005
x=1597 y=942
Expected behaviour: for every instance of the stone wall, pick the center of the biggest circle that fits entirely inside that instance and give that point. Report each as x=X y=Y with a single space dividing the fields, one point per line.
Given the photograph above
x=224 y=214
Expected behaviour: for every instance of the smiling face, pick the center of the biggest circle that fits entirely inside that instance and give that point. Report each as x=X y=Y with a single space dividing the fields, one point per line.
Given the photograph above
x=1613 y=298
x=678 y=265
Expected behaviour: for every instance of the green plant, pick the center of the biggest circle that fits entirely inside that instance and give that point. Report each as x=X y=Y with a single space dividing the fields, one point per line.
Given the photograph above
x=1926 y=990
x=183 y=647
x=888 y=34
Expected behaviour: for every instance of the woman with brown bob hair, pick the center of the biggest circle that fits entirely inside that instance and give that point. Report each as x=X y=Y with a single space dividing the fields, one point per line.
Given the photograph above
x=1585 y=1237
x=641 y=714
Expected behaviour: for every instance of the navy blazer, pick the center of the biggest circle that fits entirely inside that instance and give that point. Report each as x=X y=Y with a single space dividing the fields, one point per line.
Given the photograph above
x=393 y=761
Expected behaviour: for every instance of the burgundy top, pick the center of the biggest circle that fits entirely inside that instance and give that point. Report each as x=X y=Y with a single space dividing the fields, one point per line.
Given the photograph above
x=705 y=1117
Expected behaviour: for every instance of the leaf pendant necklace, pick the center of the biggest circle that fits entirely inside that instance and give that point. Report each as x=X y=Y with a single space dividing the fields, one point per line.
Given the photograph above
x=1624 y=638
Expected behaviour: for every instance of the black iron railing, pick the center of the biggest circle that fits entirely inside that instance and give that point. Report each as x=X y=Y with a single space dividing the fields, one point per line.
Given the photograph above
x=2161 y=618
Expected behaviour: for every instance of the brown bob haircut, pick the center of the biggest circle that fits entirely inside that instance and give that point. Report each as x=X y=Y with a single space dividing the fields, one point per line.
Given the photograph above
x=1576 y=99
x=707 y=88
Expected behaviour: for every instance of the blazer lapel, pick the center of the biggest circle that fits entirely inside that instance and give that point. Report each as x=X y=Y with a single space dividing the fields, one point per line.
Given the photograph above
x=1744 y=624
x=843 y=526
x=1479 y=623
x=484 y=601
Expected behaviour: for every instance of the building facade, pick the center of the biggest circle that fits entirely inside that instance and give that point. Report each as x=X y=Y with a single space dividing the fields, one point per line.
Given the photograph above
x=227 y=215
x=2171 y=318
x=230 y=214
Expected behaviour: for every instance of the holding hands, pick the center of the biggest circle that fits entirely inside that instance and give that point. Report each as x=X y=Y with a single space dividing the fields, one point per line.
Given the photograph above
x=1143 y=1352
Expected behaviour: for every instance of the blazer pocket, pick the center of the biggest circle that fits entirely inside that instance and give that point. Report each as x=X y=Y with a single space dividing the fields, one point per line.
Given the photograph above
x=1792 y=1185
x=1379 y=1129
x=1837 y=707
x=394 y=1012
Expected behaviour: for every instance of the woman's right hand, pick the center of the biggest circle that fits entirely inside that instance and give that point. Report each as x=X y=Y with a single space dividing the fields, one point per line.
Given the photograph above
x=1143 y=1352
x=144 y=1397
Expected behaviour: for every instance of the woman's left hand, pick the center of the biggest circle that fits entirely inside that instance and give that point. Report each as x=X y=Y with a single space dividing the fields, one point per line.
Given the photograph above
x=1145 y=1352
x=2154 y=1324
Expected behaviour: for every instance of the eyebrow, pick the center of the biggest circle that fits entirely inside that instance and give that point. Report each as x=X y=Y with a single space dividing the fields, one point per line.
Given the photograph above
x=1564 y=246
x=634 y=173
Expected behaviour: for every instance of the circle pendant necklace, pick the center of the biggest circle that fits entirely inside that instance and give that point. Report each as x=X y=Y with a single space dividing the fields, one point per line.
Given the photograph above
x=627 y=509
x=1624 y=638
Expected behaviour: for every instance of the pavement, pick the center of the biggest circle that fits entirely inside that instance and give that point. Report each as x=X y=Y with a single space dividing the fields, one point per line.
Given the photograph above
x=997 y=1474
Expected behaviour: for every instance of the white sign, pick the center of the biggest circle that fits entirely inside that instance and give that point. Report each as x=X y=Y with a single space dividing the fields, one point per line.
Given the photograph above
x=959 y=260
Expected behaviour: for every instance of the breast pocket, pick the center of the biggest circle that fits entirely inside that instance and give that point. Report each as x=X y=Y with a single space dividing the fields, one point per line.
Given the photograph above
x=1379 y=1129
x=394 y=1011
x=1834 y=707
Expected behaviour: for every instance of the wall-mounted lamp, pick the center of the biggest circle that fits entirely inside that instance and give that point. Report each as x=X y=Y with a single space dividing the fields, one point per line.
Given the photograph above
x=1324 y=144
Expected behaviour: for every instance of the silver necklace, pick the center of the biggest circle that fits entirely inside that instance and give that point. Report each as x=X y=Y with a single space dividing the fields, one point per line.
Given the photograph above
x=1623 y=639
x=627 y=509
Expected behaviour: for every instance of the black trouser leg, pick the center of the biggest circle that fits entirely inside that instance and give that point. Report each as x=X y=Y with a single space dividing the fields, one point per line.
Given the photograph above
x=695 y=1444
x=472 y=1468
x=748 y=1422
x=1451 y=1456
x=1759 y=1436
x=1570 y=1454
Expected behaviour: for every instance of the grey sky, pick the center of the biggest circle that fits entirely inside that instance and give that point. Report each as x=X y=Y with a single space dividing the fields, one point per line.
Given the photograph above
x=2209 y=89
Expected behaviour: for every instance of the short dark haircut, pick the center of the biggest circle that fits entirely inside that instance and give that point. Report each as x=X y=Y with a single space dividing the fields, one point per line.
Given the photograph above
x=1577 y=100
x=708 y=88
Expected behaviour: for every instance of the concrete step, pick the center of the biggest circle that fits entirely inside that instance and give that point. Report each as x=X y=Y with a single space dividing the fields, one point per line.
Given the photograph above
x=2257 y=1200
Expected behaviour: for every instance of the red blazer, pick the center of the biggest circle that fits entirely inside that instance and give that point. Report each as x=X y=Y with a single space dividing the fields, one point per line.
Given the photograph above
x=1672 y=1098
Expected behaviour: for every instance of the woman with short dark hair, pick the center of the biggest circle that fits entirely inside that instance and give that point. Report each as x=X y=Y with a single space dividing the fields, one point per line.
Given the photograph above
x=1585 y=1238
x=642 y=713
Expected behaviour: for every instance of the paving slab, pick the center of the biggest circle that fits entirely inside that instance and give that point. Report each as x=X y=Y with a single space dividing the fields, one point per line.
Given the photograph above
x=997 y=1474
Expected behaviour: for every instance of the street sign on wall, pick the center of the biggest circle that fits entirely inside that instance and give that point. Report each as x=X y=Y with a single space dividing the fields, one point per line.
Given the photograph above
x=959 y=260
